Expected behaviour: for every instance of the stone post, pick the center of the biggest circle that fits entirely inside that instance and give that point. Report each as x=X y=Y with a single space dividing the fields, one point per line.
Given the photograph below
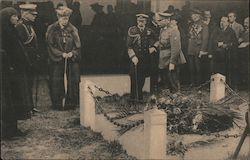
x=87 y=105
x=155 y=134
x=217 y=87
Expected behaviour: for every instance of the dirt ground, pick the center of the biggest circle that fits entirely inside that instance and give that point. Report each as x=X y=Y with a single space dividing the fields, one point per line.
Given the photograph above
x=58 y=135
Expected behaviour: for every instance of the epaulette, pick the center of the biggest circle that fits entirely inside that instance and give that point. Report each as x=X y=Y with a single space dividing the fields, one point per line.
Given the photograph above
x=133 y=30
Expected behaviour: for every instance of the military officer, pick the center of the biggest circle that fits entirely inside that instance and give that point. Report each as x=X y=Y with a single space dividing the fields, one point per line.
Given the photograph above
x=139 y=42
x=171 y=54
x=197 y=46
x=29 y=40
x=154 y=71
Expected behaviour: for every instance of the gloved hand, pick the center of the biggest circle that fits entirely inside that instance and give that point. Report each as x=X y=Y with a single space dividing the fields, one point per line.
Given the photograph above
x=70 y=54
x=202 y=53
x=65 y=55
x=152 y=50
x=38 y=57
x=135 y=60
x=171 y=66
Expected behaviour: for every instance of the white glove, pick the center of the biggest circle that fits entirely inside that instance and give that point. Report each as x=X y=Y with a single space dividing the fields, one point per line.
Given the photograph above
x=65 y=55
x=70 y=54
x=171 y=66
x=135 y=60
x=152 y=50
x=210 y=56
x=202 y=53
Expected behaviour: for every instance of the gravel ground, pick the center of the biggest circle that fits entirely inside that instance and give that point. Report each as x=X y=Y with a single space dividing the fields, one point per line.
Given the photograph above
x=58 y=135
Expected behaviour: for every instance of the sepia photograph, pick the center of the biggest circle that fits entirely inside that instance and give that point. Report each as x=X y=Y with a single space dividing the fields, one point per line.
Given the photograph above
x=125 y=79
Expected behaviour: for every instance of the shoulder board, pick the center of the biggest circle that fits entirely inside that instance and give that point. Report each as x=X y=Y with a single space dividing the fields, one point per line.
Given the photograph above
x=133 y=30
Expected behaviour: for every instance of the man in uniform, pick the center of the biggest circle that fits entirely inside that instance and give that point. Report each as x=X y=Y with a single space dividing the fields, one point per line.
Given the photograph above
x=139 y=41
x=29 y=40
x=197 y=46
x=152 y=24
x=171 y=54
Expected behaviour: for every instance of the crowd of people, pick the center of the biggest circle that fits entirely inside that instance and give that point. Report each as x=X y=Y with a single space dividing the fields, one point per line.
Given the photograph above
x=157 y=46
x=156 y=49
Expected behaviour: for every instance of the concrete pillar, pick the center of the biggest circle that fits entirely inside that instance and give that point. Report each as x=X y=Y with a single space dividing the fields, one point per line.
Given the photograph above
x=217 y=87
x=155 y=134
x=87 y=105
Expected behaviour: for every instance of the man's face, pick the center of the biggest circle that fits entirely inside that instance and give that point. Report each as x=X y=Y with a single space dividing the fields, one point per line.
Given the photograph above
x=207 y=14
x=224 y=22
x=246 y=23
x=141 y=23
x=29 y=16
x=231 y=17
x=63 y=20
x=164 y=22
x=195 y=17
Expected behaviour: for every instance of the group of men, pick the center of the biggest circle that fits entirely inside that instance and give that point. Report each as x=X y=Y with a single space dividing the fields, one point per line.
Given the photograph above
x=21 y=64
x=155 y=50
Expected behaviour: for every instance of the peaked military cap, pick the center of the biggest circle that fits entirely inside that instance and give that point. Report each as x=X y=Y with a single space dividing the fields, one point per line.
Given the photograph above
x=196 y=11
x=63 y=11
x=96 y=5
x=29 y=7
x=164 y=15
x=141 y=16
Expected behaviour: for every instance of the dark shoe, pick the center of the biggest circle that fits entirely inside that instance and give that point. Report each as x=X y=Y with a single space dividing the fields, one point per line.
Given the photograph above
x=14 y=133
x=35 y=110
x=19 y=133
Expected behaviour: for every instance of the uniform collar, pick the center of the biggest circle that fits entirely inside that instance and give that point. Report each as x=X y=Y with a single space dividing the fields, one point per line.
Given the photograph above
x=174 y=26
x=141 y=29
x=25 y=21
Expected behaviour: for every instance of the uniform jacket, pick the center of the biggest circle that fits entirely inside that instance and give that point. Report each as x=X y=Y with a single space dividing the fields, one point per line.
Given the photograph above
x=238 y=28
x=61 y=41
x=138 y=42
x=29 y=40
x=226 y=36
x=155 y=28
x=170 y=47
x=198 y=38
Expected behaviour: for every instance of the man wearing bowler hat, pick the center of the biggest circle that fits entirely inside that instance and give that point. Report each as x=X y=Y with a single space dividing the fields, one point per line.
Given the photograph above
x=29 y=40
x=140 y=42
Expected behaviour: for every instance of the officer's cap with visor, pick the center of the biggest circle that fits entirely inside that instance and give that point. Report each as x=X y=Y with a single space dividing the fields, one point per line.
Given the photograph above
x=196 y=11
x=28 y=7
x=164 y=15
x=141 y=17
x=63 y=11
